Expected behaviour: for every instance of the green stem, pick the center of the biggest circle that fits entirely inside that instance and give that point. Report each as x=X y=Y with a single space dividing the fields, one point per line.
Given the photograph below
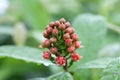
x=113 y=27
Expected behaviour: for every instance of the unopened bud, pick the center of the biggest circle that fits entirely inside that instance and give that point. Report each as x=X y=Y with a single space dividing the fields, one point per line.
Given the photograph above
x=62 y=20
x=74 y=37
x=55 y=32
x=71 y=49
x=68 y=42
x=53 y=50
x=62 y=27
x=70 y=30
x=67 y=24
x=53 y=40
x=46 y=43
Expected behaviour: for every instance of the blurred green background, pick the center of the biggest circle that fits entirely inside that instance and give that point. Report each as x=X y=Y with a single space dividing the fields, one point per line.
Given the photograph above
x=22 y=22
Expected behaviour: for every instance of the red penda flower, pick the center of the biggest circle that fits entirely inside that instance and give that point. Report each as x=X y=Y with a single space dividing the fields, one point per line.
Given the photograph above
x=61 y=42
x=60 y=61
x=46 y=55
x=75 y=56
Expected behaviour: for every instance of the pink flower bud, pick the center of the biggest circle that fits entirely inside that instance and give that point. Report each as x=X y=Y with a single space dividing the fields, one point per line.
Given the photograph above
x=45 y=34
x=70 y=30
x=55 y=32
x=60 y=61
x=77 y=44
x=57 y=23
x=46 y=43
x=46 y=55
x=67 y=24
x=75 y=56
x=52 y=24
x=66 y=36
x=53 y=40
x=71 y=49
x=62 y=27
x=53 y=50
x=49 y=30
x=62 y=20
x=68 y=42
x=74 y=37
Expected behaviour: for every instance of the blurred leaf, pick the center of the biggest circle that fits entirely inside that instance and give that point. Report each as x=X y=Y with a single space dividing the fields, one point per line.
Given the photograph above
x=5 y=34
x=6 y=30
x=112 y=72
x=33 y=12
x=24 y=53
x=59 y=8
x=91 y=30
x=110 y=9
x=61 y=76
x=112 y=50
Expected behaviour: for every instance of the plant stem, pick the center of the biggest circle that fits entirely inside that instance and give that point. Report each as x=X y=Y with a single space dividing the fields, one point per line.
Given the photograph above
x=113 y=27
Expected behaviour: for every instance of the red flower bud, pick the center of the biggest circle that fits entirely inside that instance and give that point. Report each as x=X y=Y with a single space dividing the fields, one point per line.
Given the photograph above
x=75 y=56
x=46 y=55
x=52 y=24
x=60 y=61
x=45 y=34
x=70 y=30
x=53 y=50
x=67 y=24
x=49 y=30
x=77 y=44
x=74 y=37
x=62 y=27
x=46 y=43
x=57 y=23
x=66 y=36
x=53 y=40
x=62 y=20
x=55 y=32
x=71 y=49
x=68 y=42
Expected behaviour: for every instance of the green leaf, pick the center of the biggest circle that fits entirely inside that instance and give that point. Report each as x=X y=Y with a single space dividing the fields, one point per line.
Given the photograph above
x=6 y=30
x=37 y=79
x=99 y=63
x=112 y=72
x=111 y=50
x=61 y=76
x=33 y=12
x=27 y=54
x=91 y=30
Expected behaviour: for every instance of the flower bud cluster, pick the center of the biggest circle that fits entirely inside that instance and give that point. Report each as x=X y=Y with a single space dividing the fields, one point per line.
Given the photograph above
x=62 y=41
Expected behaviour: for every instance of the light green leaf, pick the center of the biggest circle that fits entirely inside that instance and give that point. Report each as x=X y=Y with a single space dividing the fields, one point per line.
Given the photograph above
x=112 y=71
x=27 y=54
x=37 y=79
x=111 y=50
x=32 y=11
x=91 y=30
x=61 y=76
x=6 y=30
x=99 y=63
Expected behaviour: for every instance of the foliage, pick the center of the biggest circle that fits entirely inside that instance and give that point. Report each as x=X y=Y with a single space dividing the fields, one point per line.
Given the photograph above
x=96 y=22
